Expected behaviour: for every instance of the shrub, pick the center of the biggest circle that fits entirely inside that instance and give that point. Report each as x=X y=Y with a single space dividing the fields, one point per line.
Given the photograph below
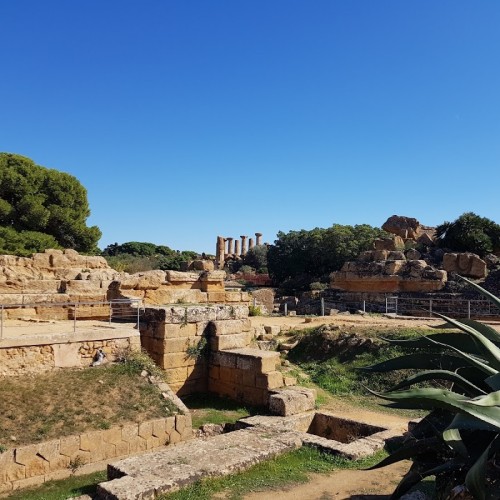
x=254 y=311
x=459 y=440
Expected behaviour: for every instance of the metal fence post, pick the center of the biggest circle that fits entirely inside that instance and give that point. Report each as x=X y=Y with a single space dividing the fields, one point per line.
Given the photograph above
x=430 y=307
x=74 y=319
x=286 y=309
x=110 y=311
x=1 y=321
x=386 y=306
x=137 y=304
x=364 y=306
x=322 y=306
x=468 y=309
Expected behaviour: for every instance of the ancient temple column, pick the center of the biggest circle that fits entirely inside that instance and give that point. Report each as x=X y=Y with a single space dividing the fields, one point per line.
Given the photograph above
x=219 y=252
x=250 y=243
x=230 y=246
x=258 y=236
x=237 y=248
x=243 y=245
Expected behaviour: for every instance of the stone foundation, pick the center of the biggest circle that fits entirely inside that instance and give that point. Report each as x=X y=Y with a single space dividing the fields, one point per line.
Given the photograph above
x=31 y=465
x=41 y=353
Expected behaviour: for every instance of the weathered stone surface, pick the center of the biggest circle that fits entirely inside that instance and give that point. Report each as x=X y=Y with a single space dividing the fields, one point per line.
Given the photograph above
x=160 y=472
x=405 y=227
x=291 y=400
x=466 y=264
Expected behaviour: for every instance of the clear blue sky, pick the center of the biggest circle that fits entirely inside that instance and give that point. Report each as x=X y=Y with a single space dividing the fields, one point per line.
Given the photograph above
x=188 y=119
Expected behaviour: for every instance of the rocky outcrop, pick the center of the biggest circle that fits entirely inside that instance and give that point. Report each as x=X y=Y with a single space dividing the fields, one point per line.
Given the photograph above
x=385 y=271
x=466 y=264
x=409 y=228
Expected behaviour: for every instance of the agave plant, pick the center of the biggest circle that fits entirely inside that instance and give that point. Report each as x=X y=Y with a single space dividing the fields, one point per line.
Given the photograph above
x=458 y=442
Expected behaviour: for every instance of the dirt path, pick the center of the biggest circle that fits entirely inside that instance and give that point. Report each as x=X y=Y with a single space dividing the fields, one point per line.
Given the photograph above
x=342 y=484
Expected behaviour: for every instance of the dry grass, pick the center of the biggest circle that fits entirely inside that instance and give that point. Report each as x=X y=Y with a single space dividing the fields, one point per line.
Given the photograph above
x=55 y=404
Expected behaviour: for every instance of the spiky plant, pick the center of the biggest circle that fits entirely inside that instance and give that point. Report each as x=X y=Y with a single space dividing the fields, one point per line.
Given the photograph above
x=458 y=442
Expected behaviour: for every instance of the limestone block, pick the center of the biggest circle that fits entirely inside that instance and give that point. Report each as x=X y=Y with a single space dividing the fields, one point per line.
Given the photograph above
x=245 y=377
x=413 y=254
x=150 y=279
x=235 y=341
x=380 y=255
x=179 y=344
x=231 y=326
x=81 y=286
x=180 y=330
x=66 y=355
x=384 y=244
x=146 y=429
x=130 y=432
x=233 y=296
x=253 y=396
x=169 y=424
x=394 y=266
x=69 y=446
x=34 y=464
x=396 y=255
x=260 y=361
x=197 y=371
x=96 y=262
x=29 y=482
x=218 y=296
x=245 y=296
x=9 y=469
x=405 y=227
x=291 y=400
x=214 y=372
x=272 y=330
x=159 y=430
x=122 y=449
x=113 y=435
x=50 y=451
x=175 y=437
x=182 y=277
x=177 y=360
x=137 y=445
x=227 y=359
x=477 y=267
x=203 y=313
x=227 y=375
x=271 y=380
x=98 y=448
x=222 y=389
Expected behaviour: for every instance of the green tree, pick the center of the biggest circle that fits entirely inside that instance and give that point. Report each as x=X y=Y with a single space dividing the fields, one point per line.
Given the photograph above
x=469 y=233
x=299 y=258
x=41 y=206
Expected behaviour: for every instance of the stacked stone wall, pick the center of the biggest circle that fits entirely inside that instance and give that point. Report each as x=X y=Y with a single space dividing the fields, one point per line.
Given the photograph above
x=245 y=375
x=179 y=339
x=34 y=464
x=21 y=356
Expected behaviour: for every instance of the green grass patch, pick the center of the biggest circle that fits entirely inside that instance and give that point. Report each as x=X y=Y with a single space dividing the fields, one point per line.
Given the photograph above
x=65 y=402
x=208 y=408
x=65 y=488
x=288 y=469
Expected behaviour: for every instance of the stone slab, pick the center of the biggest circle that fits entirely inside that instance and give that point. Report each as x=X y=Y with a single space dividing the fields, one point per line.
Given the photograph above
x=159 y=472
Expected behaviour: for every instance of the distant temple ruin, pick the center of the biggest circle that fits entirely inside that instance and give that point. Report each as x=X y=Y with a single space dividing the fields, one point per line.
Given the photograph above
x=225 y=251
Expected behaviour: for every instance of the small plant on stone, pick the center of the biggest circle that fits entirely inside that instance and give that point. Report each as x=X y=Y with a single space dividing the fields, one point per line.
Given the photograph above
x=3 y=448
x=76 y=463
x=185 y=318
x=196 y=351
x=254 y=311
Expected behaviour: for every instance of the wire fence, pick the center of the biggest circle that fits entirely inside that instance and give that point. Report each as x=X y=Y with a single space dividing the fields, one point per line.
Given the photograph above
x=408 y=306
x=40 y=313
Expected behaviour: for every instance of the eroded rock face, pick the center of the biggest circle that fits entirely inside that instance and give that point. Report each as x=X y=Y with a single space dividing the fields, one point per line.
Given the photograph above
x=466 y=264
x=405 y=227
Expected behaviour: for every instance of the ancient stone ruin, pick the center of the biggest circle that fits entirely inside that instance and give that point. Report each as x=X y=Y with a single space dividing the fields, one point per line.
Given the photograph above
x=225 y=251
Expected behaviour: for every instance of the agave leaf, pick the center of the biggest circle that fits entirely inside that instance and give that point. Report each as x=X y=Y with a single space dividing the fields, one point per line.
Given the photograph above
x=418 y=360
x=475 y=480
x=429 y=398
x=413 y=477
x=473 y=360
x=494 y=382
x=459 y=340
x=492 y=399
x=489 y=332
x=467 y=422
x=482 y=291
x=460 y=381
x=454 y=440
x=490 y=350
x=408 y=451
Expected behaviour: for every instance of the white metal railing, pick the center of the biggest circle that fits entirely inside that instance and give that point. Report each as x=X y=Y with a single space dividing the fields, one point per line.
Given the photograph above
x=120 y=310
x=409 y=306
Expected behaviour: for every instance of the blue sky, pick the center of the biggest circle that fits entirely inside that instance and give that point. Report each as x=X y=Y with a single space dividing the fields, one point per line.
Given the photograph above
x=188 y=119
